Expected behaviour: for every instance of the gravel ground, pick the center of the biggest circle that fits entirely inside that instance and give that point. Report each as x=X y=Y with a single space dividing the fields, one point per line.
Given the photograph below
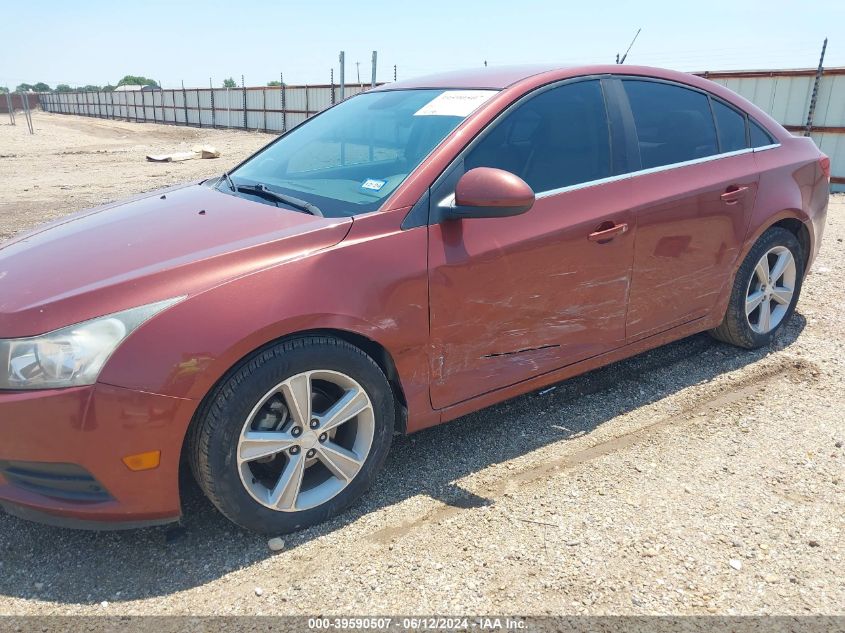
x=693 y=479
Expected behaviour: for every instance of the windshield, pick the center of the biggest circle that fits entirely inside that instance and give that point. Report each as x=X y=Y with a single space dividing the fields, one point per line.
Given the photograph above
x=352 y=157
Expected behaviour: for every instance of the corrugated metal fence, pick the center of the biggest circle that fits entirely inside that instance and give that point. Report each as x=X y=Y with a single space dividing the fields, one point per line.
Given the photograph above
x=786 y=94
x=269 y=109
x=16 y=99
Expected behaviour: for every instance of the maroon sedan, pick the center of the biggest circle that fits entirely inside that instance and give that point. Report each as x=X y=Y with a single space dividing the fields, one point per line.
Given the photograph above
x=415 y=253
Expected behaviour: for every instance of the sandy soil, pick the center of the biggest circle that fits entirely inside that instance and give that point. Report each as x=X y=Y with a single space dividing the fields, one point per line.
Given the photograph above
x=71 y=163
x=694 y=479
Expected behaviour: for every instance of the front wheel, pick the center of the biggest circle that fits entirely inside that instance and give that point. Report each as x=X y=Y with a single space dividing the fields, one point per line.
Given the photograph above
x=766 y=289
x=294 y=436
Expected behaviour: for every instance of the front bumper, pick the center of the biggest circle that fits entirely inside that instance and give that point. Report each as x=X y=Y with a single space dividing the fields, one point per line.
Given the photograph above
x=89 y=430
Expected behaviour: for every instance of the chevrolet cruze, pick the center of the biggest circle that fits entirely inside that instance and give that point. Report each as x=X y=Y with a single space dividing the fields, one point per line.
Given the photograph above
x=417 y=252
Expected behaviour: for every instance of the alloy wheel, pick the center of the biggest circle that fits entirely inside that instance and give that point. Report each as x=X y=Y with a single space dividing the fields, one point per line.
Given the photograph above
x=305 y=440
x=770 y=290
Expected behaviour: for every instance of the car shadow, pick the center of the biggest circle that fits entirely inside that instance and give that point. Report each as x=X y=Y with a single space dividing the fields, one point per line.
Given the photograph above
x=67 y=566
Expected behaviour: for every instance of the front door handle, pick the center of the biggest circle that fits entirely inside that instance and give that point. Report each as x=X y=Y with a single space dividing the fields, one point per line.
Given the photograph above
x=606 y=231
x=733 y=194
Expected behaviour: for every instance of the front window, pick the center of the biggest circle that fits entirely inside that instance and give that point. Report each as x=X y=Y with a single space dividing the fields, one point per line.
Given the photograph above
x=349 y=159
x=556 y=139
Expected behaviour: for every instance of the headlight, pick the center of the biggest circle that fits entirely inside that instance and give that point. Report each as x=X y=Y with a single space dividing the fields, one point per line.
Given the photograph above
x=73 y=355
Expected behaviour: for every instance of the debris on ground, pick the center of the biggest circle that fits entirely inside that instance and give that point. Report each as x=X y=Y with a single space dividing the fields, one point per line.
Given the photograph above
x=199 y=151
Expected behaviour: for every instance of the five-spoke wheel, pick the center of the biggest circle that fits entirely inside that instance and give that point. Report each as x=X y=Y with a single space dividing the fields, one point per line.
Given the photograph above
x=305 y=440
x=294 y=435
x=770 y=289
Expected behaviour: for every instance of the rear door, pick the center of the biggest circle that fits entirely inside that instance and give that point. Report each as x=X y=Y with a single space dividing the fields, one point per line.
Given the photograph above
x=512 y=298
x=692 y=194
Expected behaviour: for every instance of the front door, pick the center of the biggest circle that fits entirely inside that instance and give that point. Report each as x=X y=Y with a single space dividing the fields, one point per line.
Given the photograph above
x=512 y=298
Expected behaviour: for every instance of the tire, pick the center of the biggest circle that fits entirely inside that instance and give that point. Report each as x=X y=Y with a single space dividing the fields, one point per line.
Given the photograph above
x=749 y=330
x=254 y=411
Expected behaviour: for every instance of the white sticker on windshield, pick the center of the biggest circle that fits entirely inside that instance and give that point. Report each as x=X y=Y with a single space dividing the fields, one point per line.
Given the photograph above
x=373 y=184
x=455 y=103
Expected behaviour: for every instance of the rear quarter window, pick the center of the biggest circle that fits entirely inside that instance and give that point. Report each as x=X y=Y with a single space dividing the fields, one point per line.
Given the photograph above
x=759 y=136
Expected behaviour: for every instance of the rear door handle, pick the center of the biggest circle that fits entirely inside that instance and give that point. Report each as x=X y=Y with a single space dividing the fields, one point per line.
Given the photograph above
x=607 y=234
x=733 y=194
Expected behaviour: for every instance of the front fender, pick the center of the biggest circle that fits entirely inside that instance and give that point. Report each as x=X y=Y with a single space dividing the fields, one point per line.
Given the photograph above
x=373 y=284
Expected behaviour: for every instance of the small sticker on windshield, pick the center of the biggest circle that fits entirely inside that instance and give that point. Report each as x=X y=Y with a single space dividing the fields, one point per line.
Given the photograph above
x=455 y=103
x=373 y=184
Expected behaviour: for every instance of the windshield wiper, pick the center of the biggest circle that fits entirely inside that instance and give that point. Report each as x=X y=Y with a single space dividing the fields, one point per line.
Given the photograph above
x=296 y=203
x=228 y=180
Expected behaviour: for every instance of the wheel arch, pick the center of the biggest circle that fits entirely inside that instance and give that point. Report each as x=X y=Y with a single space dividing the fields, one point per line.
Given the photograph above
x=800 y=231
x=373 y=349
x=793 y=220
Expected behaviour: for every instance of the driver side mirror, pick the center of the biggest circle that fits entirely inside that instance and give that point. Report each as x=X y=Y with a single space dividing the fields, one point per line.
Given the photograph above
x=487 y=192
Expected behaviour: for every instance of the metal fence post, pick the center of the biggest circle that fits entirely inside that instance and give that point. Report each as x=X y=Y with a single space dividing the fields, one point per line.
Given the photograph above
x=26 y=113
x=11 y=108
x=243 y=89
x=812 y=110
x=284 y=109
x=375 y=57
x=306 y=101
x=185 y=101
x=211 y=88
x=161 y=101
x=331 y=77
x=342 y=60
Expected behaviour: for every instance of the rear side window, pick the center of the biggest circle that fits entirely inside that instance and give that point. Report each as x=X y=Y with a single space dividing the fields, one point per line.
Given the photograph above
x=556 y=139
x=673 y=124
x=759 y=136
x=731 y=127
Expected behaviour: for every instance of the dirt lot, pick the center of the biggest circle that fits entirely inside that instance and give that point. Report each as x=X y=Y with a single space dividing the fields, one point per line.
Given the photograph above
x=693 y=479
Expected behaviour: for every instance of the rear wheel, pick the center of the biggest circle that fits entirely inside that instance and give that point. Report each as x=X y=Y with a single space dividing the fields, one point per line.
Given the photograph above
x=295 y=435
x=766 y=289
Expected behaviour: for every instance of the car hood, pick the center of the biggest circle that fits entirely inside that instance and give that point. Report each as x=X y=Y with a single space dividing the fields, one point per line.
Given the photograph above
x=168 y=243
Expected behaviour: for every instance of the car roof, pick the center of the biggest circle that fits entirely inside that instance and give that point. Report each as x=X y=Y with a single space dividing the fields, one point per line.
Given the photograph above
x=495 y=77
x=501 y=77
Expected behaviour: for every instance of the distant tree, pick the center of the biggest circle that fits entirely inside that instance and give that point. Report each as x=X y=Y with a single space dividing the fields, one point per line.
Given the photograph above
x=90 y=88
x=41 y=87
x=108 y=88
x=3 y=90
x=274 y=84
x=63 y=88
x=137 y=80
x=23 y=88
x=229 y=83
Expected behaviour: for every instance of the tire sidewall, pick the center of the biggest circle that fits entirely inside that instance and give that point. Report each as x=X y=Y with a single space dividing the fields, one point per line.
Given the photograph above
x=238 y=396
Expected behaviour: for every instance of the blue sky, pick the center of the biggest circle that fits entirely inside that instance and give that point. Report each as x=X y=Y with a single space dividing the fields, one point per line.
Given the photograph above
x=99 y=41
